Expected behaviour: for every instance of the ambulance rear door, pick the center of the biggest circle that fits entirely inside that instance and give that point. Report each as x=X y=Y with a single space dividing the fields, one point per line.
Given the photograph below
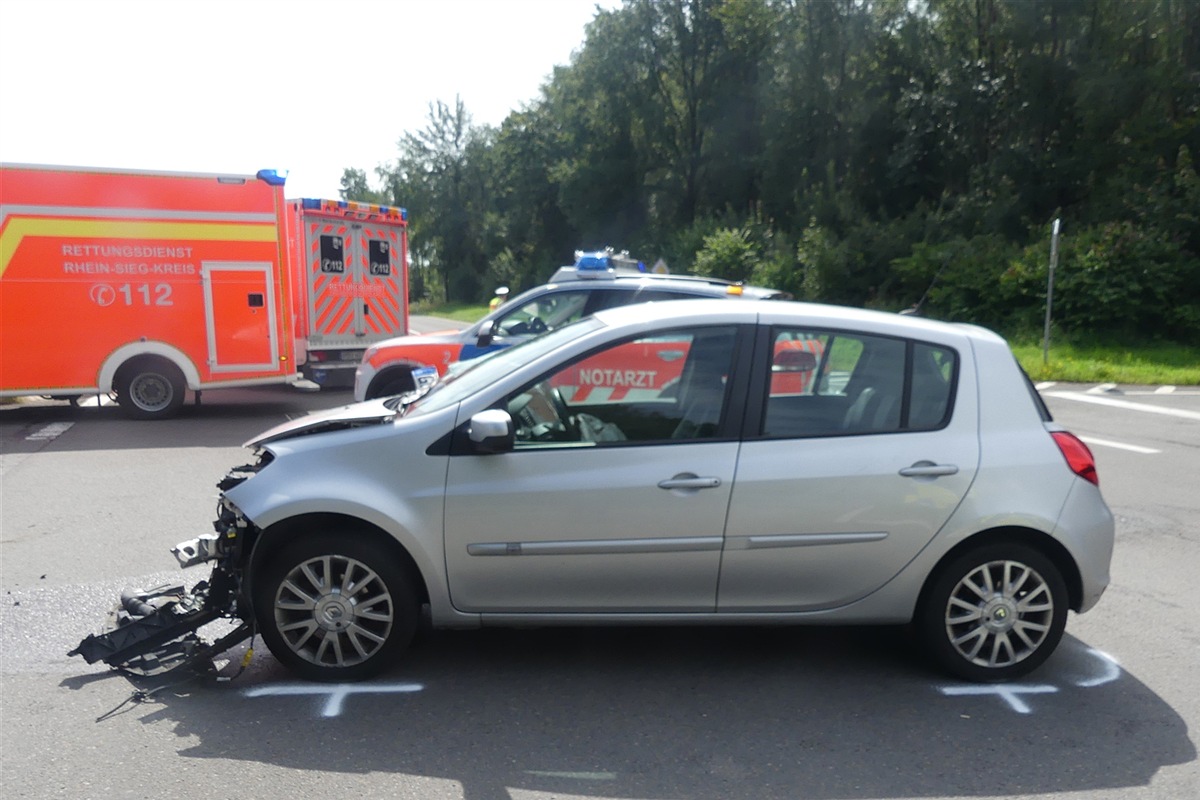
x=355 y=279
x=378 y=249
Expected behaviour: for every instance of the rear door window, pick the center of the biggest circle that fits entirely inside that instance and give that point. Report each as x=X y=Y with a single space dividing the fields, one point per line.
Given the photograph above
x=833 y=383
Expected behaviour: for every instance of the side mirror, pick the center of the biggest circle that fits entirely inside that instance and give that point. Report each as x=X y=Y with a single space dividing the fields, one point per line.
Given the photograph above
x=491 y=431
x=485 y=334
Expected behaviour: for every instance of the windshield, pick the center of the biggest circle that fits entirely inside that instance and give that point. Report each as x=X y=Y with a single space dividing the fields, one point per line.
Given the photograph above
x=486 y=371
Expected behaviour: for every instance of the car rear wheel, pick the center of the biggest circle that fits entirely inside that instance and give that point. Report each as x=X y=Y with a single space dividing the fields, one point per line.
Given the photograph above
x=995 y=613
x=335 y=607
x=150 y=388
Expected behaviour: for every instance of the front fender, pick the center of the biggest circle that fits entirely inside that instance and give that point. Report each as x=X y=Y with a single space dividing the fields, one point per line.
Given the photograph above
x=379 y=475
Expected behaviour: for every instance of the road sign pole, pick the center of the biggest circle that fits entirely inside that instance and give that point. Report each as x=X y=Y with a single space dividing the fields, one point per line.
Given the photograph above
x=1050 y=291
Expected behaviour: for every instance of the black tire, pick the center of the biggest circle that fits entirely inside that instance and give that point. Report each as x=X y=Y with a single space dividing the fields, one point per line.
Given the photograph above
x=318 y=630
x=994 y=613
x=150 y=388
x=391 y=383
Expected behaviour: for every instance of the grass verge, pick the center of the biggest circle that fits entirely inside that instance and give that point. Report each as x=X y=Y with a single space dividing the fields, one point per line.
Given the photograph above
x=462 y=312
x=1144 y=364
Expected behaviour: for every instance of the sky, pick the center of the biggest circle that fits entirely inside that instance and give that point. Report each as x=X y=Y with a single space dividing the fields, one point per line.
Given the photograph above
x=235 y=86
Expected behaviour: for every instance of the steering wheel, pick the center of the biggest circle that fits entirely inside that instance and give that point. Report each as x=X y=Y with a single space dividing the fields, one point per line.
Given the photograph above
x=537 y=326
x=560 y=407
x=553 y=403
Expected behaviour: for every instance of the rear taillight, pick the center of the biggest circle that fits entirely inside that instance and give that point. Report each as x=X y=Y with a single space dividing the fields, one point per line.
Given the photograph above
x=1079 y=457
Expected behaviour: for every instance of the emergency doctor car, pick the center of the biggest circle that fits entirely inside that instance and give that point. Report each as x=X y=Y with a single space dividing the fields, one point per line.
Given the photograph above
x=598 y=280
x=808 y=464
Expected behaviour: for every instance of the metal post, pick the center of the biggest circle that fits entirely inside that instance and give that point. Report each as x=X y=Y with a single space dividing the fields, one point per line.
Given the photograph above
x=1050 y=291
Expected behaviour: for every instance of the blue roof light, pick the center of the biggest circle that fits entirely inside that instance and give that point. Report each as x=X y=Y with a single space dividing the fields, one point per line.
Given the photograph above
x=599 y=259
x=272 y=177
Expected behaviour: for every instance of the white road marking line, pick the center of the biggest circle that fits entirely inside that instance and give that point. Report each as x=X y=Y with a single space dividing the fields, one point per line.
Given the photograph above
x=1108 y=401
x=1045 y=385
x=1173 y=393
x=1110 y=671
x=49 y=433
x=335 y=693
x=1133 y=448
x=1009 y=692
x=1103 y=388
x=1164 y=390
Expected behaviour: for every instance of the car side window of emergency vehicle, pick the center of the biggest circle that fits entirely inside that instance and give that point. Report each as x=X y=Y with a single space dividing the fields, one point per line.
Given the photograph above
x=552 y=310
x=545 y=313
x=670 y=387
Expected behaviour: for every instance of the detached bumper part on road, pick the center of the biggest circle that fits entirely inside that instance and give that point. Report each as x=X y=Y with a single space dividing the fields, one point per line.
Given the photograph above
x=154 y=632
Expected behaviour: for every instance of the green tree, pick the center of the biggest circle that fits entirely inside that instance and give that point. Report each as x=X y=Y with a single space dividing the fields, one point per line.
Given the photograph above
x=356 y=187
x=439 y=176
x=869 y=152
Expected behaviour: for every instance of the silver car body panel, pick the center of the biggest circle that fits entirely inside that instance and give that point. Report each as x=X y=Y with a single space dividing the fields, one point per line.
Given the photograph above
x=624 y=544
x=379 y=474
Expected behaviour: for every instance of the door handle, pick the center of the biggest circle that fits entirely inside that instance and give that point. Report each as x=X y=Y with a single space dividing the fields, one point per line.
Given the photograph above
x=928 y=469
x=689 y=482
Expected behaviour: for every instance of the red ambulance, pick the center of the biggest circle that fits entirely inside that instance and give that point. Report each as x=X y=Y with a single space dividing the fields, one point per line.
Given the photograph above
x=149 y=284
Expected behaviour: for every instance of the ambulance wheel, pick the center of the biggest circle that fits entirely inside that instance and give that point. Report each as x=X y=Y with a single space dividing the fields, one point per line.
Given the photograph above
x=150 y=388
x=335 y=605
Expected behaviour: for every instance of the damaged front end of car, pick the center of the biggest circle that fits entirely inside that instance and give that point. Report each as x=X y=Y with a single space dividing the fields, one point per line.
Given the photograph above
x=156 y=631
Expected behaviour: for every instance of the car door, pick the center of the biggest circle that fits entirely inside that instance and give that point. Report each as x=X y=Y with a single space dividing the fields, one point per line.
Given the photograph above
x=848 y=474
x=614 y=502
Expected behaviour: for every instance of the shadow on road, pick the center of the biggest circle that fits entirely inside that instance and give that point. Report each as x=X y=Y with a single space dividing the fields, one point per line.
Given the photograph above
x=694 y=713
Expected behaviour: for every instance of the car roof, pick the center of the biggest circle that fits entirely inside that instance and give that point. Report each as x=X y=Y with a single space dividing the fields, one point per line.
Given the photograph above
x=698 y=284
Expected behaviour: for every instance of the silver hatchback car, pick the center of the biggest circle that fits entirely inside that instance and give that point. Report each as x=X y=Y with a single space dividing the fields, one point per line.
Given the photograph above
x=694 y=461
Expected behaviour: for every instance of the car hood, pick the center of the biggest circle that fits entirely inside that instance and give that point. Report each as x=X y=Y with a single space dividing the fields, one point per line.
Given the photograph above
x=356 y=415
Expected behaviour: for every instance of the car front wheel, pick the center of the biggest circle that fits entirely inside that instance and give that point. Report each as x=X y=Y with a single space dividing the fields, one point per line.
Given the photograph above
x=995 y=613
x=335 y=607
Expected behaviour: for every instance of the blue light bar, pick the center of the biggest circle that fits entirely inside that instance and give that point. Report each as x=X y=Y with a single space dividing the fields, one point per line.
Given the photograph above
x=598 y=259
x=343 y=207
x=272 y=177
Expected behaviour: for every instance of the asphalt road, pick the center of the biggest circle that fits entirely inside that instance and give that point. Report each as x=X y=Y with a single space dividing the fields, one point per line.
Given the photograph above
x=91 y=503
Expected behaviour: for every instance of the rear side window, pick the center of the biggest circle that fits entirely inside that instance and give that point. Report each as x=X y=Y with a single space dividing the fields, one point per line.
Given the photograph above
x=933 y=370
x=1043 y=410
x=827 y=383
